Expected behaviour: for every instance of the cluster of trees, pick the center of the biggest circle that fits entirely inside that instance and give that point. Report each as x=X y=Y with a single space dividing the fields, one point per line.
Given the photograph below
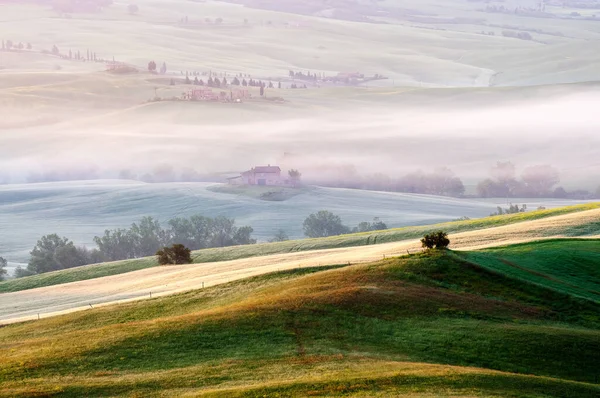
x=9 y=45
x=216 y=82
x=303 y=76
x=143 y=239
x=152 y=67
x=325 y=223
x=535 y=181
x=512 y=209
x=52 y=253
x=441 y=181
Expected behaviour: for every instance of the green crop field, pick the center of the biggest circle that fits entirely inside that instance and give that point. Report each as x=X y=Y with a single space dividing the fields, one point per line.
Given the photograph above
x=585 y=228
x=431 y=324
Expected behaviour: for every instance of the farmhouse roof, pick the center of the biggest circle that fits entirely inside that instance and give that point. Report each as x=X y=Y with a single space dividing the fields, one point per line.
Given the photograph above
x=267 y=169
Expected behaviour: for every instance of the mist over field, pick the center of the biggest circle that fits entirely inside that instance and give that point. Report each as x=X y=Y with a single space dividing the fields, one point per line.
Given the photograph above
x=374 y=139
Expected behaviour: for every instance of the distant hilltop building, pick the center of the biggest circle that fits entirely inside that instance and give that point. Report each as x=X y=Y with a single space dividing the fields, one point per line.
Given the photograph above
x=264 y=176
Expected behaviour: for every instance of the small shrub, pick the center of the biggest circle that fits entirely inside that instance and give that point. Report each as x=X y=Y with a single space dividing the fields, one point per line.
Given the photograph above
x=176 y=254
x=437 y=240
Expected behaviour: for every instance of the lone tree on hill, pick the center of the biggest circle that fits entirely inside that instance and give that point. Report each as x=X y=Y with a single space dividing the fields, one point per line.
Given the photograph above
x=55 y=50
x=29 y=47
x=437 y=240
x=176 y=254
x=152 y=66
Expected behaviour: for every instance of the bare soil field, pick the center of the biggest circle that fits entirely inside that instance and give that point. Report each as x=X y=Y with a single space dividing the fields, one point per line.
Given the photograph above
x=161 y=281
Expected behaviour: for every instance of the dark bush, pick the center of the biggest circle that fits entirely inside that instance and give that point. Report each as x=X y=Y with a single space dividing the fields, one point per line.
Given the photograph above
x=176 y=254
x=437 y=240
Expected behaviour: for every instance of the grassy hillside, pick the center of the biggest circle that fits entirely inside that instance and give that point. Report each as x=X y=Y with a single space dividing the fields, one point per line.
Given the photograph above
x=428 y=324
x=362 y=239
x=550 y=264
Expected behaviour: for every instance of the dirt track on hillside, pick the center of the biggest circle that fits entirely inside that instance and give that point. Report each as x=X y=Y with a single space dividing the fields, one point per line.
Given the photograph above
x=160 y=281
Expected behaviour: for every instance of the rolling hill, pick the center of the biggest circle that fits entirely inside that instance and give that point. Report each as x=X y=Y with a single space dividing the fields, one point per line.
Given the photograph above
x=80 y=288
x=430 y=324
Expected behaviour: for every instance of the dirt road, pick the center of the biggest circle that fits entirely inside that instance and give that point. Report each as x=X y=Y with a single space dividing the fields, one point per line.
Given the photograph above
x=160 y=281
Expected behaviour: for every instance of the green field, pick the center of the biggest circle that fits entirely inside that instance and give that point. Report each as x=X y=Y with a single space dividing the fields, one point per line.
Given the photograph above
x=431 y=324
x=361 y=239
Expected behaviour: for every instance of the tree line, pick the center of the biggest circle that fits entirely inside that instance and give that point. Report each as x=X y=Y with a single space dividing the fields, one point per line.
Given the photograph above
x=441 y=181
x=503 y=181
x=533 y=182
x=147 y=238
x=324 y=223
x=142 y=239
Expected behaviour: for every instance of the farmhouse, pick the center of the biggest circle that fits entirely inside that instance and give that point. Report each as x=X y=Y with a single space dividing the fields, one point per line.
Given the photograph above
x=264 y=176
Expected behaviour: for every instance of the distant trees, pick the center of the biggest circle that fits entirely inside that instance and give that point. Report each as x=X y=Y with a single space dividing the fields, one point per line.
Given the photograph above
x=144 y=238
x=536 y=181
x=294 y=174
x=539 y=180
x=147 y=237
x=3 y=264
x=133 y=9
x=322 y=224
x=437 y=240
x=325 y=223
x=441 y=181
x=174 y=255
x=55 y=50
x=152 y=66
x=52 y=253
x=365 y=226
x=512 y=209
x=280 y=236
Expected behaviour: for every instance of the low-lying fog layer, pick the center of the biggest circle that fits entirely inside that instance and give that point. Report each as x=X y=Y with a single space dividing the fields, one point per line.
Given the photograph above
x=390 y=139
